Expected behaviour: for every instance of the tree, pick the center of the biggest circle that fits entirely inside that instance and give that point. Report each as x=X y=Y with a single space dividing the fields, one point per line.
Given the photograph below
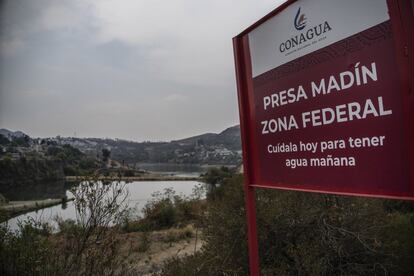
x=106 y=153
x=4 y=140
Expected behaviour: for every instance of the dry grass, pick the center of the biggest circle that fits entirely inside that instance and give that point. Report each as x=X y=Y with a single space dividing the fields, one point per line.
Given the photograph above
x=162 y=245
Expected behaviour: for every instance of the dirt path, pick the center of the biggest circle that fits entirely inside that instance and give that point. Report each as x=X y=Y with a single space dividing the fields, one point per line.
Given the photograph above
x=162 y=246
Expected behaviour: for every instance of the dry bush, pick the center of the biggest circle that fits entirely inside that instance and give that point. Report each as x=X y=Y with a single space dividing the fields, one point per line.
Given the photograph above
x=87 y=246
x=302 y=234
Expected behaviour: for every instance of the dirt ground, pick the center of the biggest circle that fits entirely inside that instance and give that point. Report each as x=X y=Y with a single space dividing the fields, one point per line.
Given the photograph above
x=145 y=255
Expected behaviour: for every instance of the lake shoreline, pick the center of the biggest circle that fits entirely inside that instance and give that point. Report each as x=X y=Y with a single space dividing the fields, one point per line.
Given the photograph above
x=15 y=208
x=134 y=178
x=139 y=193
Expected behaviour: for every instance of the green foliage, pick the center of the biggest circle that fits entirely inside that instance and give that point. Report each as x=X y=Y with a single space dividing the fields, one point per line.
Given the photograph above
x=106 y=153
x=54 y=151
x=129 y=173
x=60 y=161
x=302 y=234
x=4 y=140
x=166 y=210
x=22 y=141
x=29 y=170
x=399 y=206
x=25 y=252
x=66 y=151
x=70 y=170
x=216 y=176
x=69 y=227
x=161 y=214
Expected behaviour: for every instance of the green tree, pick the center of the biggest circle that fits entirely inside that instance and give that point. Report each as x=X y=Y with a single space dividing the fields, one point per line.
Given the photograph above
x=4 y=140
x=106 y=154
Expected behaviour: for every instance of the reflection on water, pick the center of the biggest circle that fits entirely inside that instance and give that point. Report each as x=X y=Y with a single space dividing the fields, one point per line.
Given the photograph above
x=58 y=189
x=36 y=191
x=139 y=194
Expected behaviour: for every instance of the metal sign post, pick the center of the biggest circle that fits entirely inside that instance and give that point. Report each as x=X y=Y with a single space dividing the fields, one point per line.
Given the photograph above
x=243 y=69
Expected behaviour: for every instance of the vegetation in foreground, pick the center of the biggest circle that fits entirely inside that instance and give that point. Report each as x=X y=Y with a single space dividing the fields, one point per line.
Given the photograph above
x=299 y=234
x=87 y=246
x=104 y=239
x=302 y=234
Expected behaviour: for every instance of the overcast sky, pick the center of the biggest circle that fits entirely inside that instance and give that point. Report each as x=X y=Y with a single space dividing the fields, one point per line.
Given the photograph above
x=134 y=69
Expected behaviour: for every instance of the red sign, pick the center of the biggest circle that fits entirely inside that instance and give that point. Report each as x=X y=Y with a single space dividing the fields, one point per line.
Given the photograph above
x=326 y=98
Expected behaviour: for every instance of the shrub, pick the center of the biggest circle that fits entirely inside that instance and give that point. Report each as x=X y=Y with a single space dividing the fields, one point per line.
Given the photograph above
x=167 y=210
x=301 y=234
x=69 y=170
x=175 y=235
x=216 y=176
x=25 y=252
x=129 y=173
x=87 y=246
x=144 y=243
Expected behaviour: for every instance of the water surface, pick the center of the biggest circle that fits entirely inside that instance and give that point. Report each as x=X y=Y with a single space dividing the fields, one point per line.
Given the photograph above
x=140 y=192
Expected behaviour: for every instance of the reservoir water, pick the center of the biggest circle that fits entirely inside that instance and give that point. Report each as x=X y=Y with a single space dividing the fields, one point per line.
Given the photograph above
x=140 y=193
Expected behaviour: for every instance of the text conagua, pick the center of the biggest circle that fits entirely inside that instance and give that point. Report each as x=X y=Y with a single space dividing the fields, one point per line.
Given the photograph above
x=305 y=36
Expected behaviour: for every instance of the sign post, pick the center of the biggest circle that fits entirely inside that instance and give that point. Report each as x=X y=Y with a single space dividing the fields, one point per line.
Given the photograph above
x=326 y=101
x=243 y=69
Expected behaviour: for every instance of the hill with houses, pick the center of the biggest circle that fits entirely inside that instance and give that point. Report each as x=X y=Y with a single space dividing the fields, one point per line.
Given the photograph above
x=222 y=148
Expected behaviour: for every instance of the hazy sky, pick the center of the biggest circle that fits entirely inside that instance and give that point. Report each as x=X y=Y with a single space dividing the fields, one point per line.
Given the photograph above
x=133 y=69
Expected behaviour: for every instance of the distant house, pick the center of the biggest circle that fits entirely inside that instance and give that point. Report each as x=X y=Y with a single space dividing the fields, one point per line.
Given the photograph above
x=223 y=152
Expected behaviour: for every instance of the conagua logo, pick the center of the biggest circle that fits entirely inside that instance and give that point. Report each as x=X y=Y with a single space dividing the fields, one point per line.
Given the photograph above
x=306 y=36
x=300 y=21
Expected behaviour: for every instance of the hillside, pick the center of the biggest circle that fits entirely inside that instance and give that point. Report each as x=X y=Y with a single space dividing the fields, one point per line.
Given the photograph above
x=11 y=134
x=222 y=148
x=230 y=138
x=25 y=160
x=209 y=148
